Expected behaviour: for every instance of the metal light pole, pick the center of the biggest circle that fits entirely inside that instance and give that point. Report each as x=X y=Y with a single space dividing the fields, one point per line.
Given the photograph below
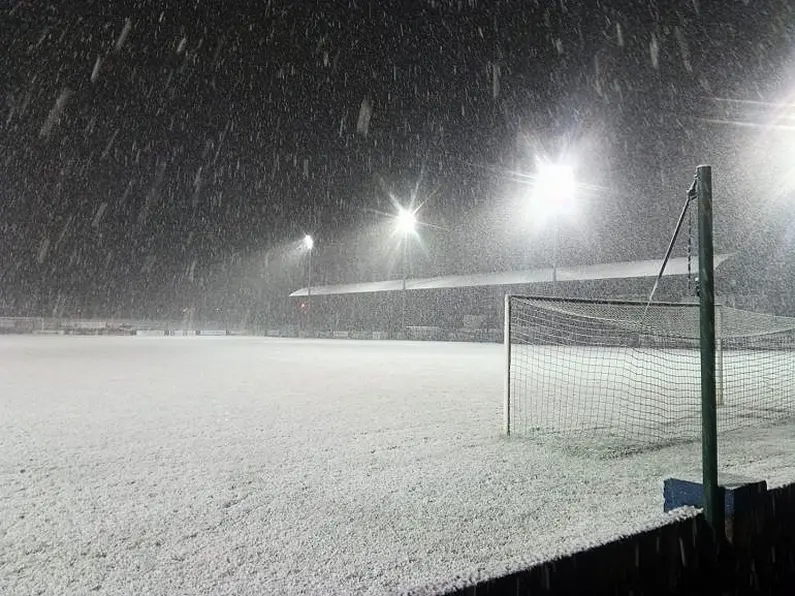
x=406 y=225
x=405 y=273
x=555 y=254
x=552 y=193
x=309 y=244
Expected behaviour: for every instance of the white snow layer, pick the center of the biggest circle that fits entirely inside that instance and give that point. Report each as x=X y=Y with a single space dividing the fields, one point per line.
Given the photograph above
x=254 y=466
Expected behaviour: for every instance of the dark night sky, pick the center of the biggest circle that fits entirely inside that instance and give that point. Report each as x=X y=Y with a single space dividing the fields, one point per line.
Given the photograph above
x=155 y=154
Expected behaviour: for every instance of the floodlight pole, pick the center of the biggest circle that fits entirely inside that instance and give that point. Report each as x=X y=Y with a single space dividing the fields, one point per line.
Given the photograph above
x=555 y=255
x=309 y=293
x=713 y=495
x=405 y=272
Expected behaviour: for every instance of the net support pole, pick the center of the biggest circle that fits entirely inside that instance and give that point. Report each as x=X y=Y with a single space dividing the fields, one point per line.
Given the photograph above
x=713 y=502
x=507 y=386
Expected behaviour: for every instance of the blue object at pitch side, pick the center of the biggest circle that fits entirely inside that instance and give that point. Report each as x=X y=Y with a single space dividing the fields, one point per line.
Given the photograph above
x=739 y=493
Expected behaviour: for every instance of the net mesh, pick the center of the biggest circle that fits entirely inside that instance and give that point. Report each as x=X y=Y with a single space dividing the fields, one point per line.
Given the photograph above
x=612 y=377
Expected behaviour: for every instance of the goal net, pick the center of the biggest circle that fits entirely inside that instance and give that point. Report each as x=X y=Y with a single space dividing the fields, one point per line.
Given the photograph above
x=615 y=377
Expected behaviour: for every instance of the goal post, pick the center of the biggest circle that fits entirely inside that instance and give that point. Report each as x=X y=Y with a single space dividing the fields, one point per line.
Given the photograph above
x=618 y=376
x=507 y=379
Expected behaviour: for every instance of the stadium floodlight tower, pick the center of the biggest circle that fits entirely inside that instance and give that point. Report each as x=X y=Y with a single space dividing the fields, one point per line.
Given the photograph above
x=406 y=224
x=551 y=197
x=308 y=243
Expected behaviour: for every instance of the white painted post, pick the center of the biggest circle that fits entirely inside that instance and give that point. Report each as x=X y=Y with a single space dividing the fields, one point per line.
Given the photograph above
x=507 y=342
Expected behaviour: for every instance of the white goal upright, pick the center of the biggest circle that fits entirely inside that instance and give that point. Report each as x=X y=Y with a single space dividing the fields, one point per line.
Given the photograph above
x=618 y=376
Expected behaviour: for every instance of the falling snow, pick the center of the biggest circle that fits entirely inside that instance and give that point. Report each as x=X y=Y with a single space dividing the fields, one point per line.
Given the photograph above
x=221 y=137
x=165 y=159
x=124 y=33
x=54 y=116
x=365 y=113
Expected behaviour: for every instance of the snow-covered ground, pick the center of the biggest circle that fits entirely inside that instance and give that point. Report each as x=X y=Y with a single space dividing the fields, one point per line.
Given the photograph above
x=263 y=466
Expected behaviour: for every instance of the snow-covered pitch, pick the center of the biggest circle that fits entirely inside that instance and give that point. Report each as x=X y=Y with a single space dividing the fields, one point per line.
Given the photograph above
x=263 y=466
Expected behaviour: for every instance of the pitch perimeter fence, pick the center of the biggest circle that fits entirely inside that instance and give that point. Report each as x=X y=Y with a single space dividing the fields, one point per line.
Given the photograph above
x=66 y=326
x=56 y=326
x=682 y=557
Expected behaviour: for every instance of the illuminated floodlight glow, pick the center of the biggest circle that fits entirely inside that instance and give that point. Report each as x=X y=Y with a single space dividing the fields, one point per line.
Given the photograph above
x=406 y=221
x=553 y=190
x=309 y=243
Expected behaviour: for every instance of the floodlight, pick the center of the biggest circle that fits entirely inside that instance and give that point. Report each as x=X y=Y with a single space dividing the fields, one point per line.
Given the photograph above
x=406 y=221
x=553 y=190
x=309 y=243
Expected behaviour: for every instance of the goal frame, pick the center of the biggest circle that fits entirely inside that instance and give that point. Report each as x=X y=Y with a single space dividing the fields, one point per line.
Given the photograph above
x=508 y=308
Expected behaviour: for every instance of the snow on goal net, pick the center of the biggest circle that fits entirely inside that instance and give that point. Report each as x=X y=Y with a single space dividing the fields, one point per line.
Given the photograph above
x=598 y=376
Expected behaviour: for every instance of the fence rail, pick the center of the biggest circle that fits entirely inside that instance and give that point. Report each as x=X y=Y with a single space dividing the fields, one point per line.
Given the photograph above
x=64 y=326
